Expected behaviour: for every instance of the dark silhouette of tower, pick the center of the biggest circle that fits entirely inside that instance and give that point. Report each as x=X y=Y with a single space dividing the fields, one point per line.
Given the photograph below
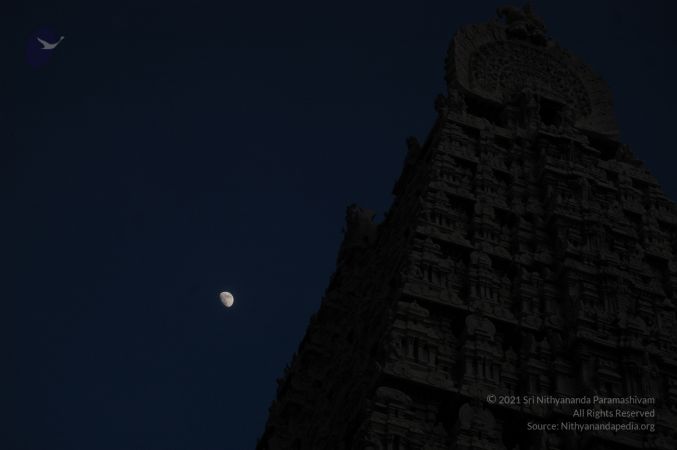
x=526 y=267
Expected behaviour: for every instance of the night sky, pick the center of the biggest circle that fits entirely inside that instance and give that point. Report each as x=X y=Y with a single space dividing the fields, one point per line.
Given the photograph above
x=171 y=151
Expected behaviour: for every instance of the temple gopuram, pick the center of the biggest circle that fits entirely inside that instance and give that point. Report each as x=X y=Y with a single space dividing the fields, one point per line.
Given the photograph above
x=520 y=292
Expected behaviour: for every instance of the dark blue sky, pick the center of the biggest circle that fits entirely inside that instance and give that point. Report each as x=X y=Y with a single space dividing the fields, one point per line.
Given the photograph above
x=170 y=151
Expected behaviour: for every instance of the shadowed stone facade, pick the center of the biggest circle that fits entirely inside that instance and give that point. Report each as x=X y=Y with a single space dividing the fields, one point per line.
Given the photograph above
x=527 y=252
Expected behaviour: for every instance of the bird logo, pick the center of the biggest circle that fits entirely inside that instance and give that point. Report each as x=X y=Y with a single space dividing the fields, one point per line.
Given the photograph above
x=49 y=46
x=40 y=46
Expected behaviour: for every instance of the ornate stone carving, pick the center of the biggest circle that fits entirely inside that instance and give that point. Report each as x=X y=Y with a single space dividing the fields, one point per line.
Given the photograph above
x=528 y=253
x=523 y=24
x=497 y=61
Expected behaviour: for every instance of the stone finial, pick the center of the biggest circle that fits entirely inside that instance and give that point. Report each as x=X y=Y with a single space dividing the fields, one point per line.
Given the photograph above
x=413 y=146
x=523 y=24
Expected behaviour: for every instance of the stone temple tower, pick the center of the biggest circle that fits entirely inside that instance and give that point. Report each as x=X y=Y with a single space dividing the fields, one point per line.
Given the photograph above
x=528 y=259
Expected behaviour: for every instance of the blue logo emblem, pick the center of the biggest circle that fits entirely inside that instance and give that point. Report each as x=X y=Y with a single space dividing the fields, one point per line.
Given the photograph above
x=41 y=46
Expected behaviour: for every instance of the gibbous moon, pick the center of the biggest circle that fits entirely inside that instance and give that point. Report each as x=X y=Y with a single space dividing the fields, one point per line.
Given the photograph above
x=227 y=299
